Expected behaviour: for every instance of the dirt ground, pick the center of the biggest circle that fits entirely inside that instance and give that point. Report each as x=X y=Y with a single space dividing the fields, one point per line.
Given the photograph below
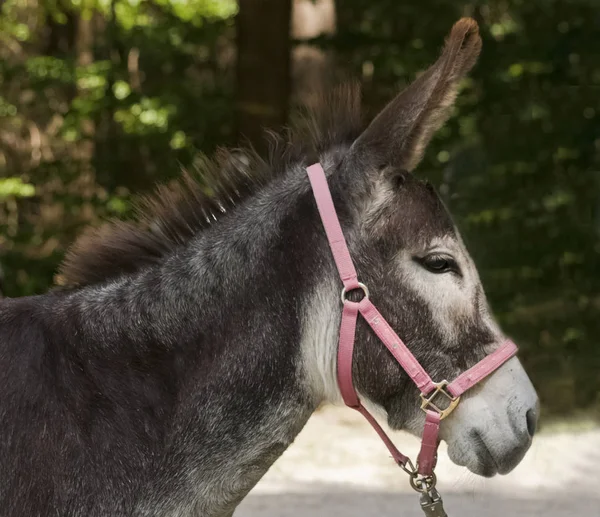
x=337 y=466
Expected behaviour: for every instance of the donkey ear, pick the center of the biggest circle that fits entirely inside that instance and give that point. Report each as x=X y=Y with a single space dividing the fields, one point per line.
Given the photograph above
x=399 y=134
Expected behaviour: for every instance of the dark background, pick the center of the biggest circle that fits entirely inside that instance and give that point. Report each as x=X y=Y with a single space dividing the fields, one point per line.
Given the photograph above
x=100 y=99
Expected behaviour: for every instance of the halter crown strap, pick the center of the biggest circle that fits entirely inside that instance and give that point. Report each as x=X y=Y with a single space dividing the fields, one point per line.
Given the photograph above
x=343 y=260
x=335 y=236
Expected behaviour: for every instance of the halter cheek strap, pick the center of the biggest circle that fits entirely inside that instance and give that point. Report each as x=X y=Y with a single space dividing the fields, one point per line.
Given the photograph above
x=431 y=392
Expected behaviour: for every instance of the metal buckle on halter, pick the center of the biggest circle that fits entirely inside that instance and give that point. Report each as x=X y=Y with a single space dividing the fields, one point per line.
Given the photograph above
x=440 y=388
x=409 y=468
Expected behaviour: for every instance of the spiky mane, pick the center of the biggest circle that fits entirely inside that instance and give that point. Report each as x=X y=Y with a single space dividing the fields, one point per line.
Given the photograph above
x=173 y=214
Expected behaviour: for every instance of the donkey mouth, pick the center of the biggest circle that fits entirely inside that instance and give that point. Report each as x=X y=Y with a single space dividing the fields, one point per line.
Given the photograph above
x=480 y=459
x=486 y=465
x=475 y=457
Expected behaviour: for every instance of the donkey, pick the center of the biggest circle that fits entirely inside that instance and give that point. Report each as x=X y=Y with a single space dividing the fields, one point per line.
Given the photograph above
x=189 y=346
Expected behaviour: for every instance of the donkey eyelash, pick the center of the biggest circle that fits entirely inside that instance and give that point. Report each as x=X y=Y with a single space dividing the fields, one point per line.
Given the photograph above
x=439 y=263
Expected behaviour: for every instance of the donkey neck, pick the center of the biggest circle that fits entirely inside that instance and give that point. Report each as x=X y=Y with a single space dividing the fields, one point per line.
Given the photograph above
x=243 y=316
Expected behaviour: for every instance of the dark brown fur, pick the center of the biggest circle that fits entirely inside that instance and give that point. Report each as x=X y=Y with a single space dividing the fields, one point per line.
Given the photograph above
x=172 y=214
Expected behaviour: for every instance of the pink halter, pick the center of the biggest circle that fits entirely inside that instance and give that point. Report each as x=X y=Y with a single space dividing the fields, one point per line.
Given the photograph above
x=429 y=390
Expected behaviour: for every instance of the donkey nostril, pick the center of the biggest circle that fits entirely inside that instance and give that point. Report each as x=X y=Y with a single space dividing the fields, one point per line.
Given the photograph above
x=531 y=417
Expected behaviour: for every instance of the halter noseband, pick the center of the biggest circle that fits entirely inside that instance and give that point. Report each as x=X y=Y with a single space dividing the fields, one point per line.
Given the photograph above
x=422 y=477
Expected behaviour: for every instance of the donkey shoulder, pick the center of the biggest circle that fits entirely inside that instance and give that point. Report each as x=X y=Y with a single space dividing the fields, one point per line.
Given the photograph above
x=66 y=436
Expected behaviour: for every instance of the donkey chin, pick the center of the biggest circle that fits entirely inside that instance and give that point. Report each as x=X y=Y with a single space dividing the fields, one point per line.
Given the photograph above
x=493 y=426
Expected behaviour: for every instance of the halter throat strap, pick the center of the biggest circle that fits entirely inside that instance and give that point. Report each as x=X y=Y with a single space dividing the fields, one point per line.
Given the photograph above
x=430 y=391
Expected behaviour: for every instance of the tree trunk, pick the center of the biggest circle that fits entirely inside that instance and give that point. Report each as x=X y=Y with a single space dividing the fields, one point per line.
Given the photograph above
x=84 y=49
x=311 y=66
x=263 y=67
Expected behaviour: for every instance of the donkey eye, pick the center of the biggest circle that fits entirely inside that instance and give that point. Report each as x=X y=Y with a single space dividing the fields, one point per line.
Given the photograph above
x=439 y=264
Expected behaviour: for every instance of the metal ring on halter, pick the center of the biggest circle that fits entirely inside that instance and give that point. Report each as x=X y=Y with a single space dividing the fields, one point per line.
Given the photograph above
x=362 y=286
x=423 y=484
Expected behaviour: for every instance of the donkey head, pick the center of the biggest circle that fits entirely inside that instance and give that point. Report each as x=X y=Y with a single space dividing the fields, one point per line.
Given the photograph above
x=411 y=256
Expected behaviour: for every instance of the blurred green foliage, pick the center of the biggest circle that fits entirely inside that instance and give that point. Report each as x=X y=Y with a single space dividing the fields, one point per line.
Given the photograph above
x=100 y=99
